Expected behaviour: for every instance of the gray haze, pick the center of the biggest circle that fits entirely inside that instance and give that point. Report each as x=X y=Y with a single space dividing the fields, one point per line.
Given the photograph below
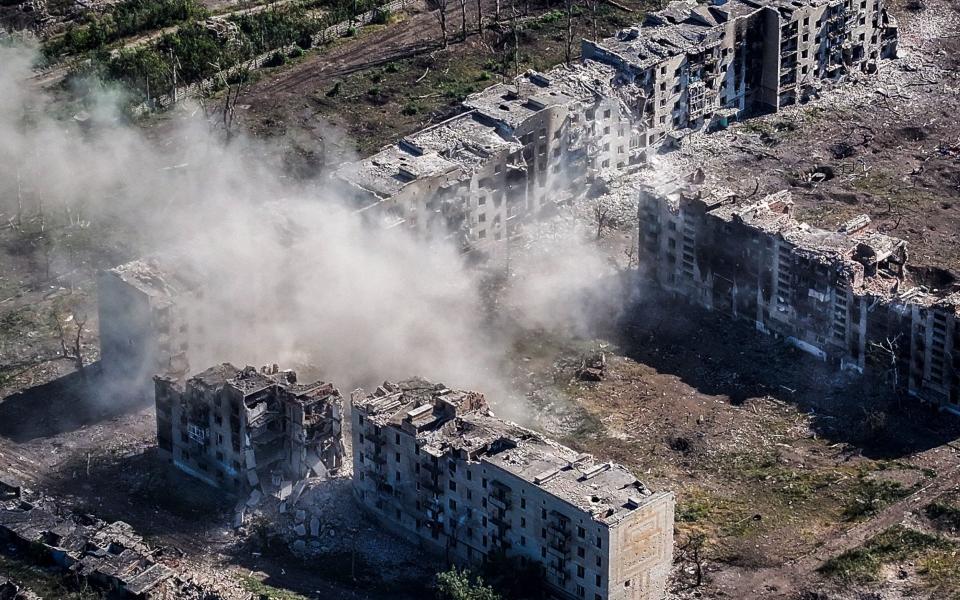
x=293 y=276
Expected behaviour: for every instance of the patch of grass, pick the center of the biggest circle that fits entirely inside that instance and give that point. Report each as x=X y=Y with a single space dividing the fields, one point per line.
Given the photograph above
x=46 y=583
x=940 y=571
x=873 y=495
x=789 y=484
x=695 y=506
x=945 y=514
x=262 y=590
x=893 y=545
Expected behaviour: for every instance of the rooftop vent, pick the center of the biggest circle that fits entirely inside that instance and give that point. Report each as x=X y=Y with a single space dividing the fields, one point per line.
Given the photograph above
x=539 y=78
x=630 y=33
x=536 y=103
x=408 y=146
x=591 y=473
x=406 y=174
x=546 y=476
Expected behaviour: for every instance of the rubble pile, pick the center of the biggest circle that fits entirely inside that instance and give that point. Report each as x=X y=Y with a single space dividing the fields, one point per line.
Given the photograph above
x=593 y=367
x=105 y=555
x=321 y=518
x=11 y=591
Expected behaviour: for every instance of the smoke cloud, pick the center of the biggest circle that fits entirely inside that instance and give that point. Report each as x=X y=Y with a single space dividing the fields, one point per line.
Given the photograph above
x=292 y=275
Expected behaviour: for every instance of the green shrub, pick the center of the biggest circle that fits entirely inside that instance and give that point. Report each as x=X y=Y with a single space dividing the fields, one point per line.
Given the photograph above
x=125 y=19
x=459 y=585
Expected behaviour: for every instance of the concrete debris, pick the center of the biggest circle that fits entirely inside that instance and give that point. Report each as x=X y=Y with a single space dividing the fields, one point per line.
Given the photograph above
x=249 y=430
x=11 y=591
x=593 y=367
x=848 y=297
x=108 y=556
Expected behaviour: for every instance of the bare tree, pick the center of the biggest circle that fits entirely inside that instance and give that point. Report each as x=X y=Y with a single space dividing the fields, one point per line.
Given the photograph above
x=516 y=40
x=690 y=557
x=19 y=199
x=232 y=95
x=885 y=352
x=463 y=19
x=480 y=17
x=441 y=14
x=601 y=216
x=71 y=347
x=568 y=54
x=594 y=6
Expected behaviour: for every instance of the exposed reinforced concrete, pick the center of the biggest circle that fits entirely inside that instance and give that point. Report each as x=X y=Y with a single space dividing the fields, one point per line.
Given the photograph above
x=244 y=429
x=545 y=138
x=849 y=297
x=436 y=465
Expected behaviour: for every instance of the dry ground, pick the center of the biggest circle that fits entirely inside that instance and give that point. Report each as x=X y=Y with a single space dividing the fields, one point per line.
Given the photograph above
x=779 y=463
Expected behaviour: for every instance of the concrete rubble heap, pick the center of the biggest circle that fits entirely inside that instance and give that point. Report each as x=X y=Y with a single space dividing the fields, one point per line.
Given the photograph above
x=109 y=556
x=849 y=297
x=547 y=137
x=436 y=465
x=248 y=430
x=11 y=591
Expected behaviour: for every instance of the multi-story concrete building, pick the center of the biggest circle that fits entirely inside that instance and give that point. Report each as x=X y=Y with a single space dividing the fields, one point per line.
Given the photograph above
x=437 y=466
x=546 y=137
x=700 y=65
x=848 y=296
x=518 y=148
x=243 y=429
x=143 y=329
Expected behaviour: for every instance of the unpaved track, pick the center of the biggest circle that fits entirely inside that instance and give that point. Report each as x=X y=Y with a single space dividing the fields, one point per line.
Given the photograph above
x=418 y=33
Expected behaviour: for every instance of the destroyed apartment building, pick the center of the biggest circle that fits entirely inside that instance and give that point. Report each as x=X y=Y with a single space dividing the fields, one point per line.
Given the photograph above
x=435 y=465
x=244 y=429
x=143 y=326
x=110 y=557
x=543 y=138
x=849 y=297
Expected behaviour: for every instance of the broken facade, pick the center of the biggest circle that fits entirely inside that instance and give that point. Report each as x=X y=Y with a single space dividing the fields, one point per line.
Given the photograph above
x=848 y=297
x=111 y=557
x=243 y=429
x=545 y=138
x=143 y=328
x=436 y=465
x=520 y=148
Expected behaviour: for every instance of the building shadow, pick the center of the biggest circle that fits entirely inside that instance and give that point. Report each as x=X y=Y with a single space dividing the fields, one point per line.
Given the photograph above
x=721 y=357
x=68 y=403
x=142 y=488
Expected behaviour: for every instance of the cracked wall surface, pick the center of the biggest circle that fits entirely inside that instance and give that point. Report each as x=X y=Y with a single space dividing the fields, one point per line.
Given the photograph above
x=244 y=429
x=436 y=465
x=849 y=297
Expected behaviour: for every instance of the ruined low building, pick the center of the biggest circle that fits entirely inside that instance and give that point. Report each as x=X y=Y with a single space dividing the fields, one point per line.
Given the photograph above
x=437 y=466
x=848 y=296
x=109 y=557
x=244 y=429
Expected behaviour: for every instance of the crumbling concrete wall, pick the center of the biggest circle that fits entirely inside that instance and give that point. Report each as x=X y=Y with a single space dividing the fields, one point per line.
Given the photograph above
x=848 y=297
x=243 y=429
